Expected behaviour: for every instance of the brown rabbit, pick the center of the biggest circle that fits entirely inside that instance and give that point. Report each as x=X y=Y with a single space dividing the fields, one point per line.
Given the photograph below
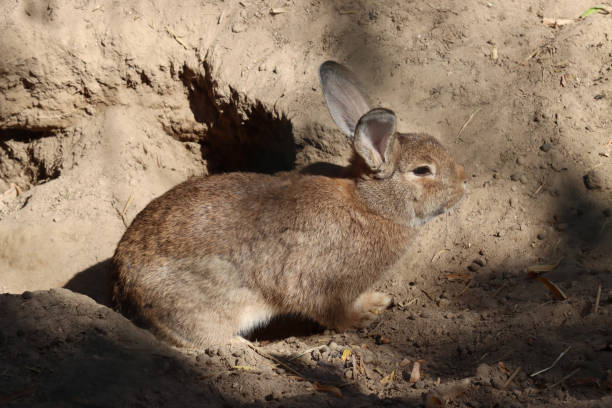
x=218 y=256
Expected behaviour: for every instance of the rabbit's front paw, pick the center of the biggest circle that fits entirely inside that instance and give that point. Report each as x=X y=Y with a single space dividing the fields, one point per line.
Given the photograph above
x=368 y=307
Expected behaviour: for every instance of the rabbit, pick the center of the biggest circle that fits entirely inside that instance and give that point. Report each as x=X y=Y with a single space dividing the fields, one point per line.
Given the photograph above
x=216 y=257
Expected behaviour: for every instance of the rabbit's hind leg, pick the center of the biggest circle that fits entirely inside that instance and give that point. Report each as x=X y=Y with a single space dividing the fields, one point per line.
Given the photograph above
x=205 y=302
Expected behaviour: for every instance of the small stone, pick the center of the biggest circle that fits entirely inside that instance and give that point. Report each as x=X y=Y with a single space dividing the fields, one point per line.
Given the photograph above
x=480 y=261
x=26 y=295
x=239 y=27
x=545 y=147
x=541 y=235
x=349 y=374
x=335 y=346
x=368 y=357
x=473 y=267
x=523 y=179
x=592 y=180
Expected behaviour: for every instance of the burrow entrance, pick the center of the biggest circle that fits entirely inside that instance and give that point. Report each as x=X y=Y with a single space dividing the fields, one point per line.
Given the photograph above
x=241 y=135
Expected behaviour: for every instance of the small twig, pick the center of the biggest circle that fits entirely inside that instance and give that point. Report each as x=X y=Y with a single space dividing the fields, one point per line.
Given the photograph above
x=176 y=37
x=122 y=213
x=537 y=191
x=437 y=254
x=467 y=122
x=553 y=364
x=530 y=56
x=304 y=353
x=509 y=380
x=274 y=359
x=564 y=378
x=597 y=299
x=467 y=286
x=427 y=294
x=127 y=204
x=500 y=289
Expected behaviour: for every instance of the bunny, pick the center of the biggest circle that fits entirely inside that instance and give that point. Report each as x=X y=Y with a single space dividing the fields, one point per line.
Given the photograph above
x=219 y=256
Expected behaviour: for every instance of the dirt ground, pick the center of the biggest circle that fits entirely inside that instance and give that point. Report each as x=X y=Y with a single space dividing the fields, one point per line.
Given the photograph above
x=106 y=104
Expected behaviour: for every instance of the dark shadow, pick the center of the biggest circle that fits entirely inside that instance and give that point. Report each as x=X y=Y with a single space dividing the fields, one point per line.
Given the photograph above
x=93 y=282
x=285 y=326
x=241 y=135
x=24 y=135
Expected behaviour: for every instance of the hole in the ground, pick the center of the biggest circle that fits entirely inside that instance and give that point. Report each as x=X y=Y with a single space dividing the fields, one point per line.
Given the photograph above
x=285 y=326
x=30 y=157
x=242 y=135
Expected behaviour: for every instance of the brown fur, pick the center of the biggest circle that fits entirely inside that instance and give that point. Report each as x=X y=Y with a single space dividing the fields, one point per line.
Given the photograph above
x=216 y=256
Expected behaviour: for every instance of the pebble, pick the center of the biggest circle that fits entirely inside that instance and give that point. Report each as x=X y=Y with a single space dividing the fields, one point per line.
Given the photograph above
x=26 y=295
x=335 y=346
x=473 y=267
x=593 y=180
x=480 y=261
x=541 y=235
x=239 y=27
x=523 y=179
x=545 y=147
x=368 y=357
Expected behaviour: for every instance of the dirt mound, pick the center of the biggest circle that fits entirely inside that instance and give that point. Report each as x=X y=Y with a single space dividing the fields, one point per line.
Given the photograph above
x=104 y=106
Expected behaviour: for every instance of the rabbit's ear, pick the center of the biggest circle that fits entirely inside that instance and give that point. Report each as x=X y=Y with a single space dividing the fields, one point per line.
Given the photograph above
x=373 y=137
x=344 y=98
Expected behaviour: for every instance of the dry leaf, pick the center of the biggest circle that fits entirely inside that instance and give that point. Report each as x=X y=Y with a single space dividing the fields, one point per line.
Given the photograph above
x=415 y=375
x=554 y=289
x=502 y=368
x=537 y=269
x=458 y=276
x=557 y=22
x=327 y=388
x=243 y=368
x=388 y=378
x=346 y=354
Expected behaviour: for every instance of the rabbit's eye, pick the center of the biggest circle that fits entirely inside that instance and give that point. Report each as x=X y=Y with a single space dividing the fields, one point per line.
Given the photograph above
x=422 y=171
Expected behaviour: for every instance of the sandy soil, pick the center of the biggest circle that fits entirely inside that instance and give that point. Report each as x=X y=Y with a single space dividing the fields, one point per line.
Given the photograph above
x=105 y=105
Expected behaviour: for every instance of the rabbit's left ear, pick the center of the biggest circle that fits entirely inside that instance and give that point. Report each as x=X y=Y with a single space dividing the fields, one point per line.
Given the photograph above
x=374 y=135
x=345 y=100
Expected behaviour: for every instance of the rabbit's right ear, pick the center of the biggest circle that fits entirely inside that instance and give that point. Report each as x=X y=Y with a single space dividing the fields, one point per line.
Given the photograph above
x=373 y=139
x=344 y=98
